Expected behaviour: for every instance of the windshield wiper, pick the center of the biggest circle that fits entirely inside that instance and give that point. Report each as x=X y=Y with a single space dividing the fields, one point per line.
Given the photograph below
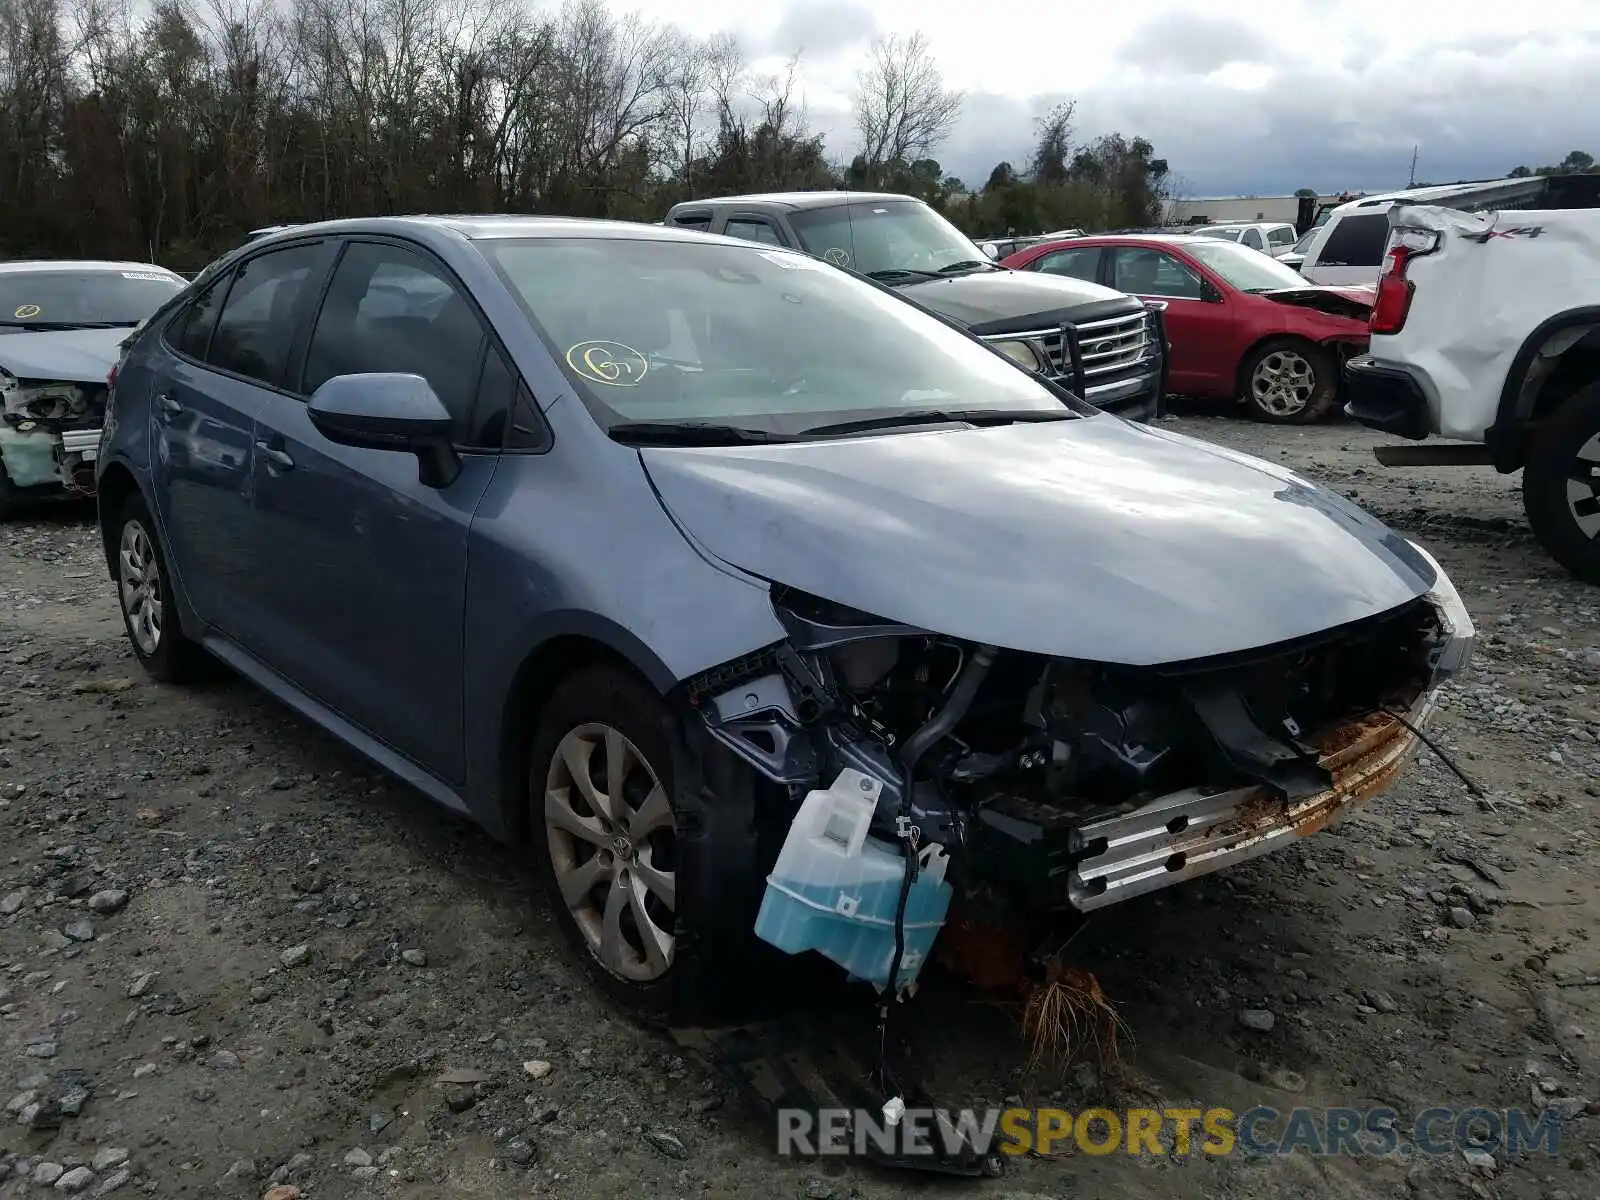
x=690 y=433
x=947 y=416
x=889 y=274
x=969 y=264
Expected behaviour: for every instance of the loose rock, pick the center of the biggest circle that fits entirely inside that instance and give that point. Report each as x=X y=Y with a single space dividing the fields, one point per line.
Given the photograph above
x=1258 y=1019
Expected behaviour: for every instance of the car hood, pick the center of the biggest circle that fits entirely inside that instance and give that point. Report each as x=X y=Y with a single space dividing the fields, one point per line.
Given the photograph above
x=1091 y=538
x=1000 y=301
x=1347 y=300
x=62 y=355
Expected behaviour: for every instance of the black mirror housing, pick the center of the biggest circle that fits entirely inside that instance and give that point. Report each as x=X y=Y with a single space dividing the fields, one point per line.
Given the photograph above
x=384 y=410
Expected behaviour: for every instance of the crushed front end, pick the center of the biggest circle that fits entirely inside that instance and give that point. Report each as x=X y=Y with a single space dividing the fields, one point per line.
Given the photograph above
x=1060 y=786
x=50 y=435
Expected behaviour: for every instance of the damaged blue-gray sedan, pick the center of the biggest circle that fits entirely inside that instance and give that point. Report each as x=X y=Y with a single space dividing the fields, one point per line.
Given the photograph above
x=763 y=607
x=60 y=325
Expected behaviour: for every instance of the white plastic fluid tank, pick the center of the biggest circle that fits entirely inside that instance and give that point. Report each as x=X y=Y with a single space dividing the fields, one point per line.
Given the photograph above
x=835 y=890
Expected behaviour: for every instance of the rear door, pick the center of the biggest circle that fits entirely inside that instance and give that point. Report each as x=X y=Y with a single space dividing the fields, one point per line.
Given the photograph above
x=1351 y=249
x=367 y=563
x=222 y=356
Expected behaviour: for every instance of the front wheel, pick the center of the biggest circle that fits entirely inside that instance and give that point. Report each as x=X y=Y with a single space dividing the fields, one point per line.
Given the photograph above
x=648 y=850
x=1561 y=484
x=1288 y=381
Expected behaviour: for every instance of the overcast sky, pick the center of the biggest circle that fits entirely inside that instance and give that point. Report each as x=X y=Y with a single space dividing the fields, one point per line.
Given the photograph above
x=1240 y=96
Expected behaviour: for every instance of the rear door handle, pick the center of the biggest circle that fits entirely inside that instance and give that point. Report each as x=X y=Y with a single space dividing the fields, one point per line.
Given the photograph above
x=275 y=456
x=168 y=405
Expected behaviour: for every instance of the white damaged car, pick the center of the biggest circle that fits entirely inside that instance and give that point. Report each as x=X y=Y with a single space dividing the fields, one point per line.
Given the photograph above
x=61 y=325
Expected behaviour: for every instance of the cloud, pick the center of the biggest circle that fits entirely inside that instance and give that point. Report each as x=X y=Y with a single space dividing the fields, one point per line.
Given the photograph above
x=1473 y=108
x=819 y=29
x=1193 y=43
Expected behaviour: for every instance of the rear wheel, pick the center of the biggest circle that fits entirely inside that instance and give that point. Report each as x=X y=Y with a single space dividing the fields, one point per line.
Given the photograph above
x=148 y=612
x=1289 y=381
x=1561 y=484
x=647 y=849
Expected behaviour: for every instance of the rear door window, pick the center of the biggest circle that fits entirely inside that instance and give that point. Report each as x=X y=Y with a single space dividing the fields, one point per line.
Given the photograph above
x=752 y=229
x=1081 y=262
x=190 y=334
x=1357 y=240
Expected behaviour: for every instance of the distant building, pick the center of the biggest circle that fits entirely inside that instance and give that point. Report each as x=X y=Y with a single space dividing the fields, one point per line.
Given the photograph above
x=1217 y=209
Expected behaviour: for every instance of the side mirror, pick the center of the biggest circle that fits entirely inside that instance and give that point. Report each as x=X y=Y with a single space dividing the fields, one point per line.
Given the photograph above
x=389 y=411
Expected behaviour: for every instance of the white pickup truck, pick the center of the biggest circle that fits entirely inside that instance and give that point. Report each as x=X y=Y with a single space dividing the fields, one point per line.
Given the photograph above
x=1486 y=330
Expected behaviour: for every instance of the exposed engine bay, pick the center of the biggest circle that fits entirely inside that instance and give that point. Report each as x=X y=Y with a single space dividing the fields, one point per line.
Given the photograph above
x=50 y=433
x=1066 y=785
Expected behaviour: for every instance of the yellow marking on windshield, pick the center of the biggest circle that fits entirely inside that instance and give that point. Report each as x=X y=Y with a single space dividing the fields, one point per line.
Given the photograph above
x=614 y=364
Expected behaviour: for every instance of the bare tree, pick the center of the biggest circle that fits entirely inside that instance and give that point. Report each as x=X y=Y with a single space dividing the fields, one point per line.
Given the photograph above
x=903 y=110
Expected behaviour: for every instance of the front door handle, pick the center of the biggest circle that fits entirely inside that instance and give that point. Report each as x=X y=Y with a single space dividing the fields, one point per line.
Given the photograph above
x=168 y=405
x=275 y=456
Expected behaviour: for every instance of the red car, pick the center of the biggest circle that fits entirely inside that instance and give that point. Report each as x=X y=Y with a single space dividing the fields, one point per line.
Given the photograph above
x=1241 y=324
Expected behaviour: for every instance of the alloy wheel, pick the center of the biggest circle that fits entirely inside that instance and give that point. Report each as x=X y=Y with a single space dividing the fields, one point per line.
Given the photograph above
x=1283 y=383
x=139 y=586
x=611 y=836
x=1583 y=488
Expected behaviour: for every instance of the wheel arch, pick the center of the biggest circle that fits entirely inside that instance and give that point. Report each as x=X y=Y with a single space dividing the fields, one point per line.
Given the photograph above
x=112 y=489
x=563 y=650
x=1536 y=384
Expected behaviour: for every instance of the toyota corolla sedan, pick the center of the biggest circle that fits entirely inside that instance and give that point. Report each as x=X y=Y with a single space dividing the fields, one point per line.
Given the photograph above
x=622 y=540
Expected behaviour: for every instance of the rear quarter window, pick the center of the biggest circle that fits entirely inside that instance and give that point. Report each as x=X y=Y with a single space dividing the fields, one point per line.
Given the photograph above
x=1357 y=240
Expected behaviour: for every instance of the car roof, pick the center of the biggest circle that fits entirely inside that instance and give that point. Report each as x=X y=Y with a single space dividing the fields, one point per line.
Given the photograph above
x=489 y=226
x=36 y=265
x=1242 y=224
x=1514 y=187
x=1164 y=239
x=796 y=201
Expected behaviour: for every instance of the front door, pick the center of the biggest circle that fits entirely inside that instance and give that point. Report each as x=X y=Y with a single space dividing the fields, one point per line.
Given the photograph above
x=1198 y=327
x=368 y=564
x=215 y=368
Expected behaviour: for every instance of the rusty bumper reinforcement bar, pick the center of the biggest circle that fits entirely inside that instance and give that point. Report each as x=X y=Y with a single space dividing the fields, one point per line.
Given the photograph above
x=1193 y=833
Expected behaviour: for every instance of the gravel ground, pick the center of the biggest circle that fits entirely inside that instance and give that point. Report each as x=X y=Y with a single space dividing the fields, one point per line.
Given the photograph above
x=236 y=961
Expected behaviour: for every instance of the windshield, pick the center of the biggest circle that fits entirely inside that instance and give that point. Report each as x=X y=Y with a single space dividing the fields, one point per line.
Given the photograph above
x=751 y=336
x=51 y=299
x=1246 y=269
x=887 y=236
x=1304 y=244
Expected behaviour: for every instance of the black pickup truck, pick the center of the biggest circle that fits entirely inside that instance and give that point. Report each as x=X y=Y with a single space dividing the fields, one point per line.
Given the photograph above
x=1105 y=346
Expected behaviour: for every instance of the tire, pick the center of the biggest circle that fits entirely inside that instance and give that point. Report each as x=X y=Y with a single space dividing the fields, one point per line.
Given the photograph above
x=10 y=506
x=690 y=823
x=1289 y=381
x=1560 y=496
x=149 y=616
